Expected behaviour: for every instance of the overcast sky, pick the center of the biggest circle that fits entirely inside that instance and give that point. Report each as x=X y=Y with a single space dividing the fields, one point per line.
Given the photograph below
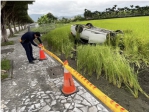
x=75 y=7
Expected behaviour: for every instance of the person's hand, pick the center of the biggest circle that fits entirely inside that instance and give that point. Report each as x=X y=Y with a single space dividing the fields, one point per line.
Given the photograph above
x=41 y=45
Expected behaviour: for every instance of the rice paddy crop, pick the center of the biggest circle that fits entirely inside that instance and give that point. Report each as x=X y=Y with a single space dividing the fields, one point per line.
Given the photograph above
x=106 y=59
x=59 y=40
x=135 y=39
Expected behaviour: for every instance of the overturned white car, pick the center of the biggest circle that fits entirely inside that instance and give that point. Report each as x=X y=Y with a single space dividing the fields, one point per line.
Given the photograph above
x=93 y=35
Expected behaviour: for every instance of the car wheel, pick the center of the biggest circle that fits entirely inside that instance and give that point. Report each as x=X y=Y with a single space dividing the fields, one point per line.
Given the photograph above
x=89 y=25
x=112 y=34
x=79 y=28
x=119 y=31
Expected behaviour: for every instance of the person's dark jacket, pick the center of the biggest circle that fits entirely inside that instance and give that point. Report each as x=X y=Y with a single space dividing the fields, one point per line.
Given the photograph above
x=29 y=37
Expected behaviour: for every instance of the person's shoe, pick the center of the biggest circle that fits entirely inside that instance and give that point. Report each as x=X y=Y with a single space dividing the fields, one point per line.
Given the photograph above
x=31 y=62
x=34 y=58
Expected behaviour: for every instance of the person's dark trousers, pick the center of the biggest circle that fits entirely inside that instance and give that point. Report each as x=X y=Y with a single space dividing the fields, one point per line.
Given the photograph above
x=29 y=51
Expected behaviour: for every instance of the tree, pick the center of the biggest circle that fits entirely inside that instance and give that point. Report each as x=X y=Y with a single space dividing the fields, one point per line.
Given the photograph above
x=78 y=18
x=103 y=14
x=19 y=15
x=43 y=20
x=114 y=7
x=51 y=17
x=8 y=11
x=96 y=15
x=146 y=10
x=5 y=11
x=131 y=6
x=48 y=18
x=3 y=3
x=87 y=14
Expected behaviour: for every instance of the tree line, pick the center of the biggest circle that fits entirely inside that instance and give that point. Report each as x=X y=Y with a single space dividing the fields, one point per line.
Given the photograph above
x=113 y=12
x=14 y=13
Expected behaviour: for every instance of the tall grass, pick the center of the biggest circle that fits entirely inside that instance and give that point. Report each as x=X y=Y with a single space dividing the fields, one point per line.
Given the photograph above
x=59 y=40
x=104 y=59
x=136 y=49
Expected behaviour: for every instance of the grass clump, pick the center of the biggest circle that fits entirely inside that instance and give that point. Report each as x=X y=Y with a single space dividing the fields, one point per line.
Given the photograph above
x=4 y=76
x=7 y=43
x=5 y=65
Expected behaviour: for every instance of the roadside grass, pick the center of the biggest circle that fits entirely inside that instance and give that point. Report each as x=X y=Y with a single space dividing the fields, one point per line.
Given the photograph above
x=59 y=40
x=5 y=65
x=7 y=43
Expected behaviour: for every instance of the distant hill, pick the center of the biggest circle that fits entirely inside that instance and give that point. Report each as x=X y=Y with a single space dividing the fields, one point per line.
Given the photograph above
x=68 y=17
x=35 y=16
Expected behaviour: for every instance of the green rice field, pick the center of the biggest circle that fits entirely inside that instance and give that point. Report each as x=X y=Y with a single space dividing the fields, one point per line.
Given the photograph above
x=118 y=68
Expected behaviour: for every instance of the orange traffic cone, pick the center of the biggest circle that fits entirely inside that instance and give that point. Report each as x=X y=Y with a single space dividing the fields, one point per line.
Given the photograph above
x=42 y=55
x=68 y=87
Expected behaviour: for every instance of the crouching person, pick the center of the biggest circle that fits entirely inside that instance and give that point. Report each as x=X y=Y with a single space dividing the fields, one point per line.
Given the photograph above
x=26 y=40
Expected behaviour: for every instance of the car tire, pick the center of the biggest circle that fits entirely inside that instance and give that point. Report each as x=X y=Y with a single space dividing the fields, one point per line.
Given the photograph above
x=89 y=25
x=79 y=28
x=112 y=34
x=119 y=31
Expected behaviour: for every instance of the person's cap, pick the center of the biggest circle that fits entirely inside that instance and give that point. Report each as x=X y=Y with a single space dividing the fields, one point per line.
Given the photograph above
x=37 y=34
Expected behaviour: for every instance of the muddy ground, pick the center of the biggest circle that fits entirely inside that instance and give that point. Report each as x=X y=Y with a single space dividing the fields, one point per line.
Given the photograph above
x=122 y=95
